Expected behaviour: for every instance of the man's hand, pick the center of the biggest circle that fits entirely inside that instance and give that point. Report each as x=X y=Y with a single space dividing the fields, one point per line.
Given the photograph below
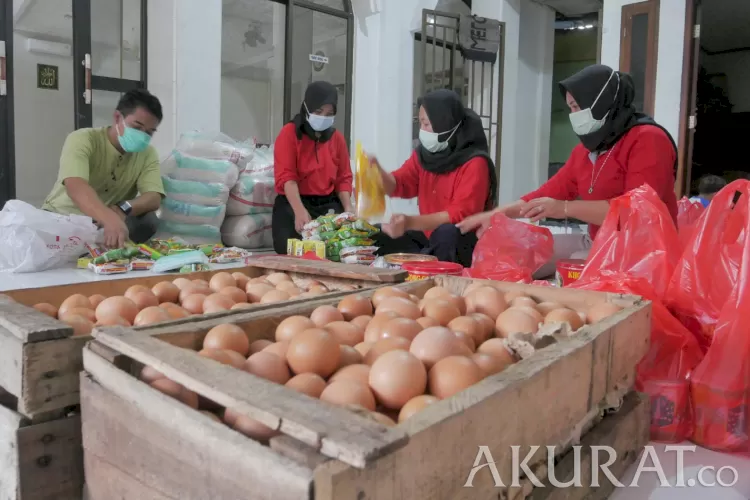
x=117 y=210
x=300 y=219
x=397 y=226
x=115 y=231
x=543 y=208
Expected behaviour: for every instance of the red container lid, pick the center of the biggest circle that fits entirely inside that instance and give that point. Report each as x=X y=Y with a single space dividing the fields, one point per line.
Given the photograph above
x=571 y=263
x=433 y=268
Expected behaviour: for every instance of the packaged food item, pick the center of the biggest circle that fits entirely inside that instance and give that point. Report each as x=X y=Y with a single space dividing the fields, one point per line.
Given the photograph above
x=365 y=227
x=93 y=250
x=149 y=252
x=117 y=267
x=229 y=255
x=316 y=247
x=141 y=265
x=83 y=263
x=291 y=246
x=194 y=268
x=354 y=251
x=569 y=271
x=117 y=254
x=368 y=188
x=419 y=271
x=358 y=259
x=177 y=261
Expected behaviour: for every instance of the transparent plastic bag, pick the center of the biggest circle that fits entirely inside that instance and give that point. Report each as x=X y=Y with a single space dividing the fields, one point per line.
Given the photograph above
x=261 y=162
x=248 y=231
x=211 y=194
x=368 y=190
x=216 y=146
x=253 y=194
x=190 y=213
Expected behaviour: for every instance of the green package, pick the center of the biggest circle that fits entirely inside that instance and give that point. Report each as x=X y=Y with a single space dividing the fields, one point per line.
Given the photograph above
x=117 y=254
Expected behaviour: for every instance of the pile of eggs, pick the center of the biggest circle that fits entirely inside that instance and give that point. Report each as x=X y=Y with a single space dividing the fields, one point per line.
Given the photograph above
x=388 y=357
x=171 y=300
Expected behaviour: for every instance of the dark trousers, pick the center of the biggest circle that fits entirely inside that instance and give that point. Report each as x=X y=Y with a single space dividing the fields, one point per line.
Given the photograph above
x=446 y=243
x=142 y=228
x=282 y=219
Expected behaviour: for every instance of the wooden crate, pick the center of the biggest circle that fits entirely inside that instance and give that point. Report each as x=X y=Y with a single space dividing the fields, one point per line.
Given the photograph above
x=141 y=444
x=40 y=358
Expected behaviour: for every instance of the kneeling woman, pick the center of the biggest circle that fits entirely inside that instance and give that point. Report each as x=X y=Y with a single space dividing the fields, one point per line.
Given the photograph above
x=451 y=175
x=311 y=166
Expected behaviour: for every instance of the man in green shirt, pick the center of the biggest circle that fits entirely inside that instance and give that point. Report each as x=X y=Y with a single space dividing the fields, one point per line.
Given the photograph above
x=112 y=173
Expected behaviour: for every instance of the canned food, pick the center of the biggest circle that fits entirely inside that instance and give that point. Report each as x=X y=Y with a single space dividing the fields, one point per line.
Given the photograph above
x=399 y=259
x=568 y=271
x=419 y=271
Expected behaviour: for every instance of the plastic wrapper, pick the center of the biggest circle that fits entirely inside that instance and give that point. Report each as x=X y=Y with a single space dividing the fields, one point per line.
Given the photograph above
x=248 y=231
x=253 y=194
x=358 y=259
x=261 y=162
x=186 y=213
x=190 y=233
x=141 y=265
x=229 y=255
x=177 y=261
x=688 y=214
x=117 y=254
x=357 y=251
x=369 y=193
x=216 y=146
x=116 y=267
x=210 y=194
x=708 y=270
x=510 y=250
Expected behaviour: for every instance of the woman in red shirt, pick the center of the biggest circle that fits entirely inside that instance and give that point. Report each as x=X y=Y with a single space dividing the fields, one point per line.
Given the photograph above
x=621 y=149
x=452 y=177
x=312 y=172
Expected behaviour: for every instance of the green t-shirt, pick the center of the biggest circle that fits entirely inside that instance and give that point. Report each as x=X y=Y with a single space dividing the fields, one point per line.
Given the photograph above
x=88 y=154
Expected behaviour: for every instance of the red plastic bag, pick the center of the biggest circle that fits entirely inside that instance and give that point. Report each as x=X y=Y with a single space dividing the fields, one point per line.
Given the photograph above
x=638 y=237
x=688 y=214
x=707 y=272
x=510 y=250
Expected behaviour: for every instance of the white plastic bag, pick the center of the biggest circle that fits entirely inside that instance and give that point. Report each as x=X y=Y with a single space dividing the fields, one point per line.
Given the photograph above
x=34 y=240
x=253 y=194
x=248 y=231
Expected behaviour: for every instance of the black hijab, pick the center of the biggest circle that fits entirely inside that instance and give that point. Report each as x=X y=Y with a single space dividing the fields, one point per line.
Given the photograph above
x=317 y=95
x=445 y=111
x=585 y=85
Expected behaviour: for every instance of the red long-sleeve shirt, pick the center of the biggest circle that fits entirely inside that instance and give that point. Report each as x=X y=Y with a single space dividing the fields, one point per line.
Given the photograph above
x=461 y=193
x=319 y=169
x=644 y=155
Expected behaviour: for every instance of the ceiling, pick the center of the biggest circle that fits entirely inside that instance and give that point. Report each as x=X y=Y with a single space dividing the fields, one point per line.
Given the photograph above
x=574 y=8
x=725 y=25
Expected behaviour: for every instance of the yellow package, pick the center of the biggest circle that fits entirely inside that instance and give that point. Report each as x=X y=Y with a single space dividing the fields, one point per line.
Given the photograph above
x=291 y=246
x=369 y=194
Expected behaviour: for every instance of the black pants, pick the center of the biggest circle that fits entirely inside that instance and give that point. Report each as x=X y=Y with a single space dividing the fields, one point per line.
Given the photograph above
x=282 y=219
x=446 y=243
x=142 y=227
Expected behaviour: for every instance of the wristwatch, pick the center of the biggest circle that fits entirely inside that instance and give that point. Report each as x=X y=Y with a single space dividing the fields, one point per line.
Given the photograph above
x=126 y=207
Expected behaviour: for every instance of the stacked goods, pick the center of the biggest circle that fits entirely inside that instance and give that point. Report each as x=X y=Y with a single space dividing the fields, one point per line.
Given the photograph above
x=198 y=176
x=347 y=238
x=168 y=301
x=248 y=221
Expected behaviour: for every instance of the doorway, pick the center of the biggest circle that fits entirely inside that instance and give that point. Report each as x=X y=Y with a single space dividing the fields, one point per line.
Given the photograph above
x=67 y=62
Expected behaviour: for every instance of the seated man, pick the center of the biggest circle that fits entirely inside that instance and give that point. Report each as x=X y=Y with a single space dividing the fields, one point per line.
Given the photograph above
x=708 y=186
x=112 y=173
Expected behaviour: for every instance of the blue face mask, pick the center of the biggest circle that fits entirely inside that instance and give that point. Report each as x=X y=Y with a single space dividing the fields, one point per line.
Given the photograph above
x=133 y=140
x=319 y=123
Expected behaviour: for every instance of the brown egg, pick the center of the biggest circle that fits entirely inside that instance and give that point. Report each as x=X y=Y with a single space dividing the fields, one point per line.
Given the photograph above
x=192 y=289
x=353 y=306
x=259 y=345
x=149 y=374
x=361 y=322
x=564 y=315
x=194 y=303
x=249 y=427
x=227 y=336
x=387 y=292
x=278 y=348
x=240 y=279
x=217 y=302
x=150 y=316
x=459 y=302
x=237 y=360
x=176 y=391
x=238 y=296
x=396 y=377
x=382 y=418
x=364 y=347
x=435 y=343
x=496 y=347
x=317 y=290
x=241 y=305
x=275 y=296
x=349 y=356
x=359 y=372
x=545 y=308
x=515 y=321
x=259 y=279
x=490 y=363
x=202 y=283
x=345 y=333
x=219 y=355
x=467 y=339
x=166 y=292
x=220 y=281
x=443 y=311
x=117 y=306
x=174 y=311
x=287 y=286
x=601 y=311
x=80 y=325
x=96 y=299
x=513 y=295
x=523 y=301
x=143 y=300
x=307 y=383
x=291 y=326
x=324 y=315
x=276 y=278
x=436 y=292
x=427 y=322
x=470 y=326
x=383 y=346
x=402 y=306
x=182 y=283
x=415 y=405
x=531 y=311
x=346 y=392
x=113 y=321
x=452 y=375
x=401 y=327
x=314 y=351
x=47 y=309
x=74 y=301
x=487 y=326
x=256 y=291
x=136 y=290
x=486 y=300
x=268 y=366
x=474 y=286
x=375 y=326
x=83 y=312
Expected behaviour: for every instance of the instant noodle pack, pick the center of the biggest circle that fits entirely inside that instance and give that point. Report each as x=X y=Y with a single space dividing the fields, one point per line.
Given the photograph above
x=339 y=238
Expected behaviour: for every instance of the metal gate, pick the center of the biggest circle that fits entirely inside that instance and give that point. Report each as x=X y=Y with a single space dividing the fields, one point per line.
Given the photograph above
x=440 y=64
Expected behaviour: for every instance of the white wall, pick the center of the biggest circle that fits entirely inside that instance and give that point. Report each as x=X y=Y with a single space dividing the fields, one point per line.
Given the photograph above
x=669 y=55
x=736 y=67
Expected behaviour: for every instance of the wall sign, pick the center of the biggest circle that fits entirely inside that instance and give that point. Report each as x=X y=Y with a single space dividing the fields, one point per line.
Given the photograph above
x=479 y=38
x=319 y=60
x=47 y=77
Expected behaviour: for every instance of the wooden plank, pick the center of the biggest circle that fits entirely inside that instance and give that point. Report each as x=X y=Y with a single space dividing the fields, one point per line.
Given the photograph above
x=11 y=363
x=562 y=382
x=10 y=422
x=106 y=482
x=626 y=432
x=29 y=325
x=327 y=268
x=336 y=432
x=173 y=450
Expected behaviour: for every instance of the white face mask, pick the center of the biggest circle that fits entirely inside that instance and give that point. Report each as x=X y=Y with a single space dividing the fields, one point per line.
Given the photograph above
x=319 y=123
x=431 y=140
x=583 y=121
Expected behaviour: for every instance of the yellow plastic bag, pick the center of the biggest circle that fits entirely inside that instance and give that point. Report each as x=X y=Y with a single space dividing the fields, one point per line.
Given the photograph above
x=369 y=193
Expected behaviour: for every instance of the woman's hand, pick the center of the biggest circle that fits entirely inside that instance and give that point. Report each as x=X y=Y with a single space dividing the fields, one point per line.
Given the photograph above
x=543 y=208
x=301 y=218
x=478 y=222
x=397 y=226
x=389 y=182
